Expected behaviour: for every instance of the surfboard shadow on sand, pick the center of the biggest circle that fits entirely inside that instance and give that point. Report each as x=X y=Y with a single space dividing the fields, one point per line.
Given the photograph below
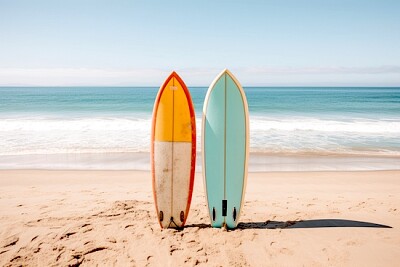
x=318 y=223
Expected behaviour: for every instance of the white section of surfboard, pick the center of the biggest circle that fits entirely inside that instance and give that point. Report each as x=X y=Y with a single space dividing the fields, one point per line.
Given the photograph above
x=172 y=178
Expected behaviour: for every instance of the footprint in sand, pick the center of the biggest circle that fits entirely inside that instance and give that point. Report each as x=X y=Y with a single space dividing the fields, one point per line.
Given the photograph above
x=10 y=241
x=173 y=248
x=352 y=243
x=286 y=251
x=111 y=240
x=84 y=228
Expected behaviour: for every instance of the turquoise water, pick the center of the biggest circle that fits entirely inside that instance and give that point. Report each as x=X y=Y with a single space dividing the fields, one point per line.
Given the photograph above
x=319 y=120
x=375 y=103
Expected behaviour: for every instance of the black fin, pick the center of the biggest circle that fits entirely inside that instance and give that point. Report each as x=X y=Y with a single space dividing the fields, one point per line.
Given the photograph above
x=214 y=215
x=224 y=206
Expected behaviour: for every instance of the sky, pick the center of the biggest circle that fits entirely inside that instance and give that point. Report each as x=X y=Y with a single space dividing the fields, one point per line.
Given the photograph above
x=138 y=43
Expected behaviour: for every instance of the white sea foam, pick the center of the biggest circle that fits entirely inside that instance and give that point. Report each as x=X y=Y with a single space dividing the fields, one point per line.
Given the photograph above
x=83 y=135
x=313 y=135
x=39 y=135
x=359 y=126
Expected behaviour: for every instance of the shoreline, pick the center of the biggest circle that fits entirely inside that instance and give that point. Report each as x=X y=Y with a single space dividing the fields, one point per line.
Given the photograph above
x=258 y=162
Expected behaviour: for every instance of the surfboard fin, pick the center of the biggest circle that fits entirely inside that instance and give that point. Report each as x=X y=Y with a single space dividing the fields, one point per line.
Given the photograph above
x=234 y=214
x=224 y=207
x=161 y=216
x=182 y=216
x=214 y=215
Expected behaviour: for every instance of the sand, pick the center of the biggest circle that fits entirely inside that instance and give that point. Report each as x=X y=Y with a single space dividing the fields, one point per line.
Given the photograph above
x=290 y=219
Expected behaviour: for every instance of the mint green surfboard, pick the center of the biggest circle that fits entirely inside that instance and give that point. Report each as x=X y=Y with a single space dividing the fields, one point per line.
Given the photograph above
x=225 y=148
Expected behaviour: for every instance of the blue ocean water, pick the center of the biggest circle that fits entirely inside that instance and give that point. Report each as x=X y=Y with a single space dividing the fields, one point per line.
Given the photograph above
x=283 y=120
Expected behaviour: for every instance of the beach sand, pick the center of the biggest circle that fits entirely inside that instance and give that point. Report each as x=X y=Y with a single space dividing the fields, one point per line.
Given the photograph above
x=289 y=219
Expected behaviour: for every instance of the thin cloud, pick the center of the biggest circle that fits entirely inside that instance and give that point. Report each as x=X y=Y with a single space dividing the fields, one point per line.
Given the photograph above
x=323 y=70
x=200 y=76
x=79 y=76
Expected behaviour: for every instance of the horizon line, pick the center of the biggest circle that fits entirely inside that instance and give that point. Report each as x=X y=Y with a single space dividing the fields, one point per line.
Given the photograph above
x=205 y=86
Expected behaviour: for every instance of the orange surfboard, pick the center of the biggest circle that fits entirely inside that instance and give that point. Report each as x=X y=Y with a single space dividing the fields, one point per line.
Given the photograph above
x=173 y=152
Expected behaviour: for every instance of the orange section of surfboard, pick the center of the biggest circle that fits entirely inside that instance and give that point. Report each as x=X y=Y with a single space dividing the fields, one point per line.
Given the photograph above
x=173 y=152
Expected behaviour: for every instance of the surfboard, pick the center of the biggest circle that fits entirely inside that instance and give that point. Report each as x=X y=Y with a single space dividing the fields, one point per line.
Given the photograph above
x=173 y=152
x=225 y=149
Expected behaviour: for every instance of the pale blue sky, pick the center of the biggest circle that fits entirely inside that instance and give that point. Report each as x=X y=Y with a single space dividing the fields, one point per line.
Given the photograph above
x=326 y=42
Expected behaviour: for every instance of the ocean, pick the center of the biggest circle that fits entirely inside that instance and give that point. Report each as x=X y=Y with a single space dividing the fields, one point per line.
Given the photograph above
x=109 y=127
